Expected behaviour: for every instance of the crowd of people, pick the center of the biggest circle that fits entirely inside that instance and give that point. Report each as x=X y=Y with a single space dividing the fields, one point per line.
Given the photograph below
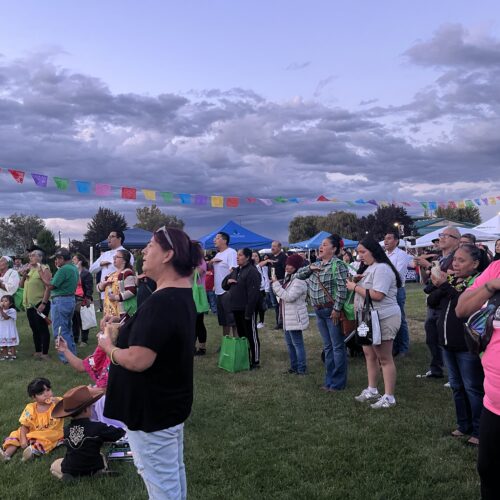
x=151 y=330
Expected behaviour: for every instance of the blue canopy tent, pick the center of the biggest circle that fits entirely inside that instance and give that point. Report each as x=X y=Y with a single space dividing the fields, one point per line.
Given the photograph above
x=316 y=240
x=239 y=237
x=134 y=238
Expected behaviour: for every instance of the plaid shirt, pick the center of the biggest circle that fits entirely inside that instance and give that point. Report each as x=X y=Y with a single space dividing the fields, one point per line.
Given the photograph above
x=336 y=285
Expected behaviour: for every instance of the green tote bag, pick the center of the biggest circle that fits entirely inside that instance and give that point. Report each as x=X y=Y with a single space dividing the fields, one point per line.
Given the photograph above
x=233 y=355
x=199 y=295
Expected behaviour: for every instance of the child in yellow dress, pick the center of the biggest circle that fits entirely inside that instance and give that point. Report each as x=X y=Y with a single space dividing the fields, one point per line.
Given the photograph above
x=39 y=432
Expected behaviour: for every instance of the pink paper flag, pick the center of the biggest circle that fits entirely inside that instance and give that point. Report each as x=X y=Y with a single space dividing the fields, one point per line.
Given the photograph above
x=102 y=189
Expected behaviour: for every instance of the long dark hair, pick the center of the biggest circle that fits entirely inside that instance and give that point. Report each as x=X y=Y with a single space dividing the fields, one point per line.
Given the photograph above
x=497 y=255
x=380 y=256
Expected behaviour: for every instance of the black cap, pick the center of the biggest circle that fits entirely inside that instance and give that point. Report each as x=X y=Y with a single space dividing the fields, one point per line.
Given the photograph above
x=62 y=252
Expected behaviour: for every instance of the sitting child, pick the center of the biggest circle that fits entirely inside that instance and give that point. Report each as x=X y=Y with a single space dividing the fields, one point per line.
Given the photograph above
x=83 y=438
x=40 y=432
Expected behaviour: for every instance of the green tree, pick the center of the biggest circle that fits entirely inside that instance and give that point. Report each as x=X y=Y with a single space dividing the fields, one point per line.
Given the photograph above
x=383 y=220
x=17 y=232
x=46 y=240
x=303 y=227
x=151 y=218
x=467 y=214
x=345 y=224
x=104 y=221
x=77 y=246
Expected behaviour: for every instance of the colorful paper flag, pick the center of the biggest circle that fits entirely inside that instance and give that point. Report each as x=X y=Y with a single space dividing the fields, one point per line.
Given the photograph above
x=83 y=187
x=40 y=180
x=294 y=200
x=492 y=200
x=265 y=201
x=200 y=199
x=185 y=198
x=167 y=196
x=61 y=183
x=433 y=205
x=372 y=202
x=17 y=175
x=251 y=200
x=469 y=203
x=232 y=202
x=102 y=189
x=217 y=201
x=461 y=204
x=129 y=193
x=280 y=199
x=149 y=194
x=322 y=198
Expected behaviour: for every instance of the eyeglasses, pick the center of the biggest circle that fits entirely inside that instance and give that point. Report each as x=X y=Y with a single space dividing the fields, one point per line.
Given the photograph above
x=164 y=230
x=446 y=235
x=112 y=236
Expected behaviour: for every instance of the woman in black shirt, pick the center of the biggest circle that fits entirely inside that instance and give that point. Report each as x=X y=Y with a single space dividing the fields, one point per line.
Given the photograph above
x=150 y=386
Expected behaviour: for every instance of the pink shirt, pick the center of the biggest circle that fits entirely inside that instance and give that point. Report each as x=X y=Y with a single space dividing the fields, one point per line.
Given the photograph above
x=491 y=357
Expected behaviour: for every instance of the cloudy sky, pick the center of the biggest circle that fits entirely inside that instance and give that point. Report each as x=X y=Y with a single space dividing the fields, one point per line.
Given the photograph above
x=385 y=100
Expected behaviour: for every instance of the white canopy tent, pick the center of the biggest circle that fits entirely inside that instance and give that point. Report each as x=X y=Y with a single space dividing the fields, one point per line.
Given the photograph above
x=491 y=226
x=426 y=240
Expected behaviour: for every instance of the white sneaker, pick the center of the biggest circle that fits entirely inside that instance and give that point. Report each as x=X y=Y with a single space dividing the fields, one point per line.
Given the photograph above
x=260 y=325
x=4 y=456
x=366 y=395
x=383 y=402
x=447 y=385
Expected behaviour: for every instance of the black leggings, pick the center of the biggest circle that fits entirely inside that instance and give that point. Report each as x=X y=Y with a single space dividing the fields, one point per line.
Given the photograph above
x=488 y=460
x=201 y=331
x=248 y=328
x=40 y=329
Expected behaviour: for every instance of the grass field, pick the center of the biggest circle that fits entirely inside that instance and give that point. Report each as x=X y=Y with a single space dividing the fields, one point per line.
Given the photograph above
x=267 y=435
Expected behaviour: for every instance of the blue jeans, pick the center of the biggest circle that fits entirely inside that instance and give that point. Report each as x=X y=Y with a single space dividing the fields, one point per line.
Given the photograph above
x=159 y=458
x=212 y=301
x=335 y=350
x=466 y=377
x=402 y=341
x=296 y=350
x=62 y=316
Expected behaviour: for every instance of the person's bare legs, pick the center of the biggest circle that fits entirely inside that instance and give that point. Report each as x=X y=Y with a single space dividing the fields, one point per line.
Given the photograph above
x=384 y=355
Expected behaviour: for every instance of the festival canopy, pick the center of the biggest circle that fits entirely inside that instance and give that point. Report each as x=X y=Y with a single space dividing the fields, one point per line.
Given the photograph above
x=134 y=238
x=316 y=240
x=239 y=237
x=491 y=226
x=480 y=236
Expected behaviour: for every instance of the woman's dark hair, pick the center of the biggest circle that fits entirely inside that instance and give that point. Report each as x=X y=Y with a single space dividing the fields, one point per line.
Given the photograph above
x=82 y=259
x=380 y=256
x=247 y=253
x=127 y=257
x=349 y=254
x=477 y=254
x=258 y=254
x=10 y=299
x=497 y=255
x=187 y=253
x=37 y=386
x=335 y=240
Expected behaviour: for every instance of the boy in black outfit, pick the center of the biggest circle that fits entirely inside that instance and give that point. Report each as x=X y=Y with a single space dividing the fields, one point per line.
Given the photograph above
x=82 y=437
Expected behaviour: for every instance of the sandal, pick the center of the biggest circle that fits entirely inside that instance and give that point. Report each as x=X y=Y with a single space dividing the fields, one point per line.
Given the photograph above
x=457 y=434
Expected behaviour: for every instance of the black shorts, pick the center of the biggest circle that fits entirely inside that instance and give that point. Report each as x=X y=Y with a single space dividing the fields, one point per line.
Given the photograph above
x=224 y=313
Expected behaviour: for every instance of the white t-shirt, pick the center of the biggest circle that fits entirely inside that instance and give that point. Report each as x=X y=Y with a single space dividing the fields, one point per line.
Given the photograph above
x=221 y=269
x=400 y=260
x=381 y=278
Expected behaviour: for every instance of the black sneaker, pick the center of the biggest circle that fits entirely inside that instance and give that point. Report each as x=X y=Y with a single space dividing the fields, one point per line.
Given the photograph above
x=200 y=352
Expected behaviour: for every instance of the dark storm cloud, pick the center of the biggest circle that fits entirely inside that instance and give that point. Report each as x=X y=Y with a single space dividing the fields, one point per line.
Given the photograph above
x=236 y=142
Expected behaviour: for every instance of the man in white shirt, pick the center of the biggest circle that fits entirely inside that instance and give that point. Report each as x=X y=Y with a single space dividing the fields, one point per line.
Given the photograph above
x=223 y=262
x=105 y=261
x=400 y=260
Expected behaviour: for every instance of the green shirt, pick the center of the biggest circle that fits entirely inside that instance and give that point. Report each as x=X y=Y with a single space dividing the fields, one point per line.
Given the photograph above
x=33 y=288
x=65 y=280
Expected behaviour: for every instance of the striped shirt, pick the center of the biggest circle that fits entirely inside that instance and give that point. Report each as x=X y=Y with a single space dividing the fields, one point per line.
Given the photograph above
x=336 y=285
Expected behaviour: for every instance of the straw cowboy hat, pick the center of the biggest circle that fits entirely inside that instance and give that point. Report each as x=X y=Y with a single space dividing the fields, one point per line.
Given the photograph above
x=76 y=400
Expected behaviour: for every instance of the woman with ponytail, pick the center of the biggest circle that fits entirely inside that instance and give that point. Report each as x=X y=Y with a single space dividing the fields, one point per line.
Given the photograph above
x=326 y=282
x=150 y=384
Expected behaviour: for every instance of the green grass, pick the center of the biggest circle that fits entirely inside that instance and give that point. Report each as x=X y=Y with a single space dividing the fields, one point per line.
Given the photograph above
x=267 y=435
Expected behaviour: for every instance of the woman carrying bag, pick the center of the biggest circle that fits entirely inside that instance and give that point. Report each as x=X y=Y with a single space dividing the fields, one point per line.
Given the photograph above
x=381 y=281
